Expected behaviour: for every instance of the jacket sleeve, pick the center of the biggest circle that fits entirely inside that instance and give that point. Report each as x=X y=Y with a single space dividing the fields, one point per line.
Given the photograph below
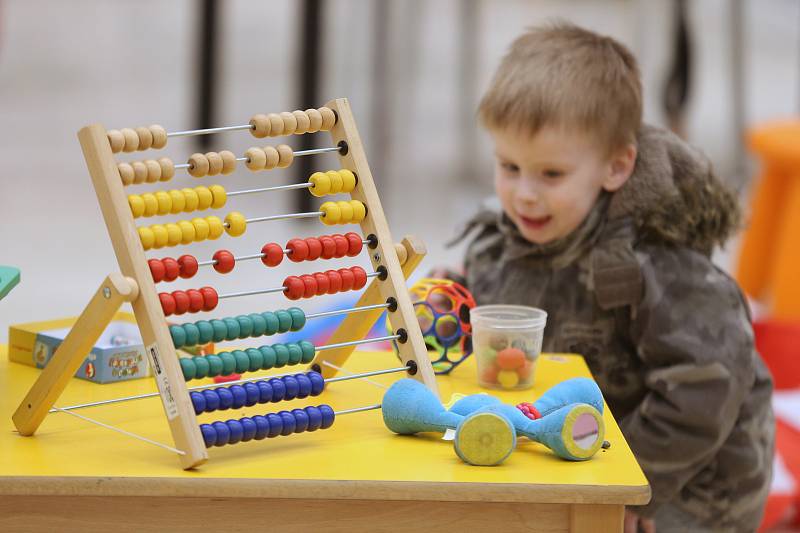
x=693 y=334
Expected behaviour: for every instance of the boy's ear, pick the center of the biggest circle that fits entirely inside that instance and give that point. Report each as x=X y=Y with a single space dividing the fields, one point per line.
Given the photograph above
x=621 y=168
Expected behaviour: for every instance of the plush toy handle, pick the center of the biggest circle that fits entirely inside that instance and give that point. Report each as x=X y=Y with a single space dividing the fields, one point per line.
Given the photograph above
x=574 y=390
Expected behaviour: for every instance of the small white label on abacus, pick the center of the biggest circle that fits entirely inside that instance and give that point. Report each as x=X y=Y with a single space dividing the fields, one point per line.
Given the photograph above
x=170 y=406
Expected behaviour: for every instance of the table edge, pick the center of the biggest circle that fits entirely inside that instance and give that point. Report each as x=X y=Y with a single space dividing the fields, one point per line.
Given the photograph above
x=322 y=489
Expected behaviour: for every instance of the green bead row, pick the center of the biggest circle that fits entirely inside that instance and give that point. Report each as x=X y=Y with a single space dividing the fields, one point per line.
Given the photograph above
x=249 y=360
x=240 y=327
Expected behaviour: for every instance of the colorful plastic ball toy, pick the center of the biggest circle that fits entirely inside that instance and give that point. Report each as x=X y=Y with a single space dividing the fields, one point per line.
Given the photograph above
x=442 y=308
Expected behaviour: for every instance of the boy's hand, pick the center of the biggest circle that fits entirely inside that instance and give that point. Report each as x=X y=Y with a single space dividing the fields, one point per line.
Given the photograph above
x=635 y=523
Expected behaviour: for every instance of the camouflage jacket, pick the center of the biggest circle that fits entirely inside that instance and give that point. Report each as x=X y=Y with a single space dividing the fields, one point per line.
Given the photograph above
x=666 y=334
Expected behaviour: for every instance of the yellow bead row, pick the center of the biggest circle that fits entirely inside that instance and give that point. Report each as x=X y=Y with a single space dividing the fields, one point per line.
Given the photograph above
x=183 y=232
x=332 y=182
x=147 y=171
x=132 y=139
x=212 y=163
x=295 y=122
x=344 y=212
x=269 y=157
x=177 y=201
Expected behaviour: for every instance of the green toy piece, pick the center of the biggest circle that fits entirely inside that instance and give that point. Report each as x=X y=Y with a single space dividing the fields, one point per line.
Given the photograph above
x=9 y=278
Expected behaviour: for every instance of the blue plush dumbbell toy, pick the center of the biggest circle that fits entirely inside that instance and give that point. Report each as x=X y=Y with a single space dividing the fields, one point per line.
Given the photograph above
x=485 y=439
x=574 y=432
x=574 y=390
x=567 y=417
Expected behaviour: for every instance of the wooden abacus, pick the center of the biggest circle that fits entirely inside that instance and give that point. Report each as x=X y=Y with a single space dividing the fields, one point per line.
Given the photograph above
x=386 y=292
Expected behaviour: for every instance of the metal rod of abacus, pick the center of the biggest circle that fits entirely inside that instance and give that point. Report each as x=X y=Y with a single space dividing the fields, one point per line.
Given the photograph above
x=216 y=385
x=269 y=189
x=357 y=409
x=191 y=133
x=271 y=290
x=356 y=343
x=347 y=311
x=286 y=251
x=298 y=153
x=310 y=214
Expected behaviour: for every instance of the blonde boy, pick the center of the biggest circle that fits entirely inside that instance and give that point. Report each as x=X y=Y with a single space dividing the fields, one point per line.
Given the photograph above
x=608 y=225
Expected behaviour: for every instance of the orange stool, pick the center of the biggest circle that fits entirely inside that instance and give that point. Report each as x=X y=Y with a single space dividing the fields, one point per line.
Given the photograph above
x=769 y=264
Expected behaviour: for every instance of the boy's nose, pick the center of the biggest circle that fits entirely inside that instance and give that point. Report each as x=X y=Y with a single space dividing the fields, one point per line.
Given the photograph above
x=527 y=193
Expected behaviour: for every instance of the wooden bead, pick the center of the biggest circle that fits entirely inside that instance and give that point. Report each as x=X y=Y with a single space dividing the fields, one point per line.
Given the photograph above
x=131 y=140
x=348 y=180
x=402 y=253
x=198 y=165
x=330 y=213
x=167 y=168
x=236 y=223
x=289 y=123
x=347 y=212
x=145 y=138
x=303 y=122
x=164 y=203
x=174 y=234
x=205 y=198
x=321 y=184
x=178 y=201
x=191 y=200
x=160 y=234
x=147 y=237
x=153 y=170
x=228 y=161
x=328 y=118
x=275 y=124
x=256 y=159
x=125 y=173
x=220 y=196
x=260 y=126
x=139 y=172
x=187 y=231
x=273 y=157
x=336 y=181
x=285 y=155
x=214 y=163
x=137 y=205
x=150 y=205
x=359 y=211
x=315 y=120
x=215 y=227
x=159 y=136
x=116 y=140
x=201 y=229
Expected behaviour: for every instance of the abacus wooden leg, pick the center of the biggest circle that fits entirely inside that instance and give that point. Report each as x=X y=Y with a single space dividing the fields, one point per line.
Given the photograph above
x=356 y=326
x=114 y=290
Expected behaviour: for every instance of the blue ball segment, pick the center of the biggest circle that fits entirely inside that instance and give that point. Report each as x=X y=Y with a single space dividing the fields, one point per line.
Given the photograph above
x=273 y=390
x=270 y=425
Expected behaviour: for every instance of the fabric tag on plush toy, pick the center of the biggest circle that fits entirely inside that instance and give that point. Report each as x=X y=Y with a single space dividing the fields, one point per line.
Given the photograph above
x=450 y=434
x=453 y=399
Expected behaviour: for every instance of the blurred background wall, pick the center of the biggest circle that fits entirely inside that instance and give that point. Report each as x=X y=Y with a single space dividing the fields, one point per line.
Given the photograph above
x=413 y=71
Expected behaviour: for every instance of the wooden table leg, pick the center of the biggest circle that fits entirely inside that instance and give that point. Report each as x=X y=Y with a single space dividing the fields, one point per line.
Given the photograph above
x=596 y=518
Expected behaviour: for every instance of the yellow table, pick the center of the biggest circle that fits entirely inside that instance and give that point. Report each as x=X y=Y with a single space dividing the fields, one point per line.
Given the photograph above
x=355 y=476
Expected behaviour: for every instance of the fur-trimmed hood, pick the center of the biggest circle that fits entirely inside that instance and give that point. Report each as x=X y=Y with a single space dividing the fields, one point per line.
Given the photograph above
x=673 y=195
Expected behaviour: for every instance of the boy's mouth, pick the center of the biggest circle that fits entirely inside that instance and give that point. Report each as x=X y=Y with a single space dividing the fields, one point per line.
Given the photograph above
x=535 y=222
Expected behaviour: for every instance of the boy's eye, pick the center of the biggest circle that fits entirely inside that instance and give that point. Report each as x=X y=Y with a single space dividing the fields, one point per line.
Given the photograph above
x=509 y=167
x=552 y=173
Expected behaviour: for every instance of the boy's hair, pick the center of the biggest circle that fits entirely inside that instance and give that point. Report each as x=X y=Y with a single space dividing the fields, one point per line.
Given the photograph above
x=563 y=75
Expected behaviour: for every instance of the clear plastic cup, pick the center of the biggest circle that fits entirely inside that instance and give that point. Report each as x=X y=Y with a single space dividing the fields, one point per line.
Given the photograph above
x=507 y=341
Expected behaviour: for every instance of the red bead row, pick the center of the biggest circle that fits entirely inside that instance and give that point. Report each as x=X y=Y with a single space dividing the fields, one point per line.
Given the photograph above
x=169 y=269
x=188 y=301
x=328 y=282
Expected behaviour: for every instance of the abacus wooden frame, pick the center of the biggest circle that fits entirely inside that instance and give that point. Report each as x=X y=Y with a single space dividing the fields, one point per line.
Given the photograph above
x=152 y=323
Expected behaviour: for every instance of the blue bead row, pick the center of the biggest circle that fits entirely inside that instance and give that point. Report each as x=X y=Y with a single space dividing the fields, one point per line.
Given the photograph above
x=277 y=389
x=270 y=425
